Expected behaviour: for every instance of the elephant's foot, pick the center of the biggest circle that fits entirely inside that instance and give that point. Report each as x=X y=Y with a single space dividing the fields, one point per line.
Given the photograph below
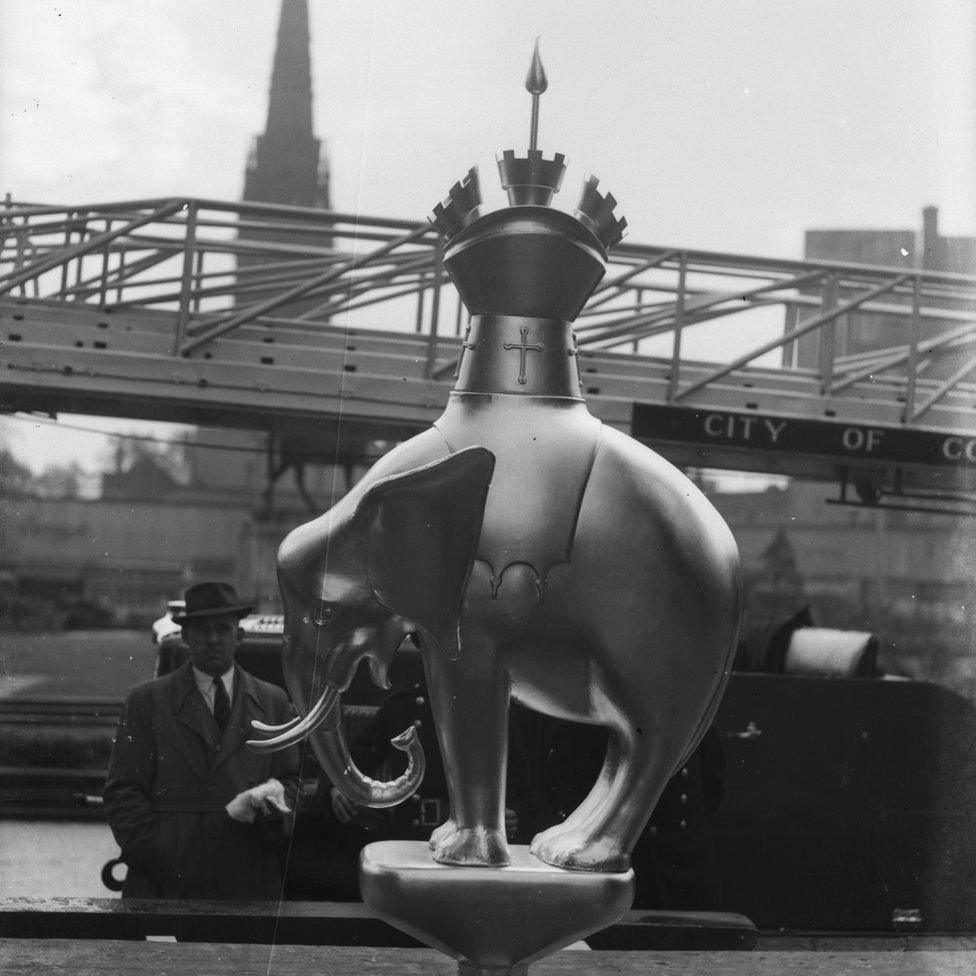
x=578 y=851
x=574 y=824
x=553 y=833
x=475 y=846
x=442 y=833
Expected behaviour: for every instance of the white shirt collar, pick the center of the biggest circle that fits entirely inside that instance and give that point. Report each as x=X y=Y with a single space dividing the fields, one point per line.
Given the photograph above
x=205 y=682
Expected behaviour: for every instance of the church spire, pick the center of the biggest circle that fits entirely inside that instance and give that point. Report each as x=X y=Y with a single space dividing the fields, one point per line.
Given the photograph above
x=290 y=100
x=286 y=165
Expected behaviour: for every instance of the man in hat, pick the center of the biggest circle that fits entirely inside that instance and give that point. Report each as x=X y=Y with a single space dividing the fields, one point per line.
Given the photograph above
x=195 y=812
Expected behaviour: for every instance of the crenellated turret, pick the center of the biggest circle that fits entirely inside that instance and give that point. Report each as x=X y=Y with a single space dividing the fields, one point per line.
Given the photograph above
x=461 y=207
x=596 y=211
x=528 y=259
x=531 y=180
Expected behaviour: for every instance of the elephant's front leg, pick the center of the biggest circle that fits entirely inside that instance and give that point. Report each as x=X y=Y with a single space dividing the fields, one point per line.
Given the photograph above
x=470 y=700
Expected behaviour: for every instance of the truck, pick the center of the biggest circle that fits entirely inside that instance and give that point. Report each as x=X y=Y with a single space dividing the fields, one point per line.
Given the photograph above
x=848 y=796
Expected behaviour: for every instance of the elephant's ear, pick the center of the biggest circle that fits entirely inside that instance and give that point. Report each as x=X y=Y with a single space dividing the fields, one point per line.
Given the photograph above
x=422 y=530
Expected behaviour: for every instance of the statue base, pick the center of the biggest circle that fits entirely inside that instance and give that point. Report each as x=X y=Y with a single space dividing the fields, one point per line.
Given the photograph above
x=492 y=920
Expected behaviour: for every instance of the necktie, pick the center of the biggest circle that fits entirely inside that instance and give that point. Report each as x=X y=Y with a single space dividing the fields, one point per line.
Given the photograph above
x=221 y=703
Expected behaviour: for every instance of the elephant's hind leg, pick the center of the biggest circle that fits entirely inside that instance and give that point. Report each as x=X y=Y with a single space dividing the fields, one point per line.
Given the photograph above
x=579 y=817
x=600 y=835
x=580 y=841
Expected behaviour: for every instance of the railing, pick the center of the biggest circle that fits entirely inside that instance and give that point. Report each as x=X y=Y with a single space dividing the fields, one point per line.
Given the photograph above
x=218 y=266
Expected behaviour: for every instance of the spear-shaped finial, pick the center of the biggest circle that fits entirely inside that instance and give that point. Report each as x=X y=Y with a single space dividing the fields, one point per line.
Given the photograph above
x=535 y=84
x=531 y=181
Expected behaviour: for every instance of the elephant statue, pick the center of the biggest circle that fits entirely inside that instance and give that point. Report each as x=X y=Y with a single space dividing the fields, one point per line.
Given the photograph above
x=534 y=553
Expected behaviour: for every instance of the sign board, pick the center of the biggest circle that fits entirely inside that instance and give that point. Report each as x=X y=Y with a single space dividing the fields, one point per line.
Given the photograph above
x=841 y=441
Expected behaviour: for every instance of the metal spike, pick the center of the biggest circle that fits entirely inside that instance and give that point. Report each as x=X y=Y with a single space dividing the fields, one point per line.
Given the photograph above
x=536 y=83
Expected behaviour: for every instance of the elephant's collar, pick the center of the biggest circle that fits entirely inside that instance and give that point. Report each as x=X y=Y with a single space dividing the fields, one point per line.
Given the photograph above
x=519 y=356
x=544 y=450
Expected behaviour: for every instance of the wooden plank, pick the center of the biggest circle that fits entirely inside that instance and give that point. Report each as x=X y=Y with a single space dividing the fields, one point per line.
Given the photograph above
x=300 y=923
x=321 y=923
x=65 y=956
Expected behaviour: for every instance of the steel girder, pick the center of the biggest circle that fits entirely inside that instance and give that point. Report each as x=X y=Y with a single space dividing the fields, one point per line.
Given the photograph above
x=264 y=315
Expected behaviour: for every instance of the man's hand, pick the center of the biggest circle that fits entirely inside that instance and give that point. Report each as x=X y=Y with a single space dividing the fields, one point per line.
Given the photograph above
x=343 y=808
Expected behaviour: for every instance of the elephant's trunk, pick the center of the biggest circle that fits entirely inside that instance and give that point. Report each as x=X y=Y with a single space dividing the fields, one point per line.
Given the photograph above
x=329 y=741
x=333 y=753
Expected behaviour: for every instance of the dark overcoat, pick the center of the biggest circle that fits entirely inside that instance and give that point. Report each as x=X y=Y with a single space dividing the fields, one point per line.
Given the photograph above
x=170 y=776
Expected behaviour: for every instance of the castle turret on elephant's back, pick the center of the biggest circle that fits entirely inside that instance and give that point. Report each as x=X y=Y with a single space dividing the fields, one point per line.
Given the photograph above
x=533 y=552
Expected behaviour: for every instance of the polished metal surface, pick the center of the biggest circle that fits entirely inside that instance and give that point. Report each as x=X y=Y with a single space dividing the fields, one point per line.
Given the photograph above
x=519 y=355
x=535 y=84
x=547 y=448
x=596 y=211
x=532 y=552
x=531 y=180
x=492 y=920
x=461 y=206
x=543 y=263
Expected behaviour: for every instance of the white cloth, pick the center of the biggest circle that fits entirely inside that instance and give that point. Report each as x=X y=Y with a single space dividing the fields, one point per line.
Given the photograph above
x=258 y=799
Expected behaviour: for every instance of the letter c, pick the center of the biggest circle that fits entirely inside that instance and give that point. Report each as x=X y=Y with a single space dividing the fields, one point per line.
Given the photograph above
x=952 y=448
x=709 y=429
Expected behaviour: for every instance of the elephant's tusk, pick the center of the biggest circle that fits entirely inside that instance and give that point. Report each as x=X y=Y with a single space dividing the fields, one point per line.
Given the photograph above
x=264 y=727
x=296 y=731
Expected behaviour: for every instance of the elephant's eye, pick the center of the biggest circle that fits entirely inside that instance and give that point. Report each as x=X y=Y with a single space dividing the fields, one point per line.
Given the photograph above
x=325 y=613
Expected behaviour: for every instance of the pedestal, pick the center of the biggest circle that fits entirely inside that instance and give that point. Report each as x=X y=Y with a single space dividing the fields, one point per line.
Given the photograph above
x=492 y=920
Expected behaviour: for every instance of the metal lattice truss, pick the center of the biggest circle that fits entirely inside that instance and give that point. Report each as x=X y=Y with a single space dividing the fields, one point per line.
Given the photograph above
x=188 y=309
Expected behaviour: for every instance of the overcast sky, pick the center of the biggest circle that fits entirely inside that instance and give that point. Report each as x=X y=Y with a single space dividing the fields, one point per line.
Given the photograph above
x=727 y=126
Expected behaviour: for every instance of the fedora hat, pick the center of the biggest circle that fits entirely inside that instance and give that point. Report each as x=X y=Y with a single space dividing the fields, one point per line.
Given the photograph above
x=211 y=600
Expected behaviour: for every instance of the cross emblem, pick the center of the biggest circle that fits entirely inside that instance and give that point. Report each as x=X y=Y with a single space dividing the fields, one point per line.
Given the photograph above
x=464 y=345
x=523 y=348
